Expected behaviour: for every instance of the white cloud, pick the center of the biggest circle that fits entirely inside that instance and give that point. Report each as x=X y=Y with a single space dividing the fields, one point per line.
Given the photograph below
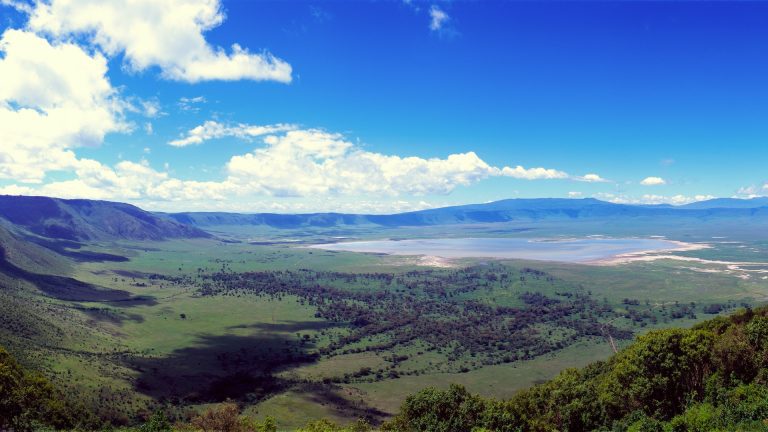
x=653 y=181
x=438 y=18
x=213 y=130
x=310 y=162
x=650 y=199
x=591 y=178
x=168 y=34
x=533 y=173
x=752 y=191
x=575 y=194
x=131 y=181
x=151 y=108
x=53 y=98
x=307 y=162
x=18 y=5
x=313 y=161
x=191 y=103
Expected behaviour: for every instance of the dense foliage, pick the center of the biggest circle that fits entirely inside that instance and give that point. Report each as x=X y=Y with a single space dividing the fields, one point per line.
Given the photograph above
x=476 y=316
x=708 y=378
x=28 y=401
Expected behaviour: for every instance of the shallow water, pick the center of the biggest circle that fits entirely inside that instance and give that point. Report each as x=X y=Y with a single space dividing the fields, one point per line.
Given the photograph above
x=570 y=250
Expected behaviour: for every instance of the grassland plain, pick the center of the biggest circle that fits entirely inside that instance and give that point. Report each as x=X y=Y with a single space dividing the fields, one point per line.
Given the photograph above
x=168 y=345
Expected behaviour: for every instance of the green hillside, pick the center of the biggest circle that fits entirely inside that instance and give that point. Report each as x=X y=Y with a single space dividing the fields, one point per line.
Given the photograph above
x=80 y=220
x=711 y=377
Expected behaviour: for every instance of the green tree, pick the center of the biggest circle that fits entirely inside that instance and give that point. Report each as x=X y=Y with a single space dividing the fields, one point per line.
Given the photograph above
x=158 y=422
x=28 y=400
x=437 y=410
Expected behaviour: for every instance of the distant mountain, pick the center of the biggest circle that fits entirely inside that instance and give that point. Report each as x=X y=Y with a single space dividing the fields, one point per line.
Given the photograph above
x=80 y=220
x=728 y=203
x=208 y=219
x=498 y=211
x=83 y=220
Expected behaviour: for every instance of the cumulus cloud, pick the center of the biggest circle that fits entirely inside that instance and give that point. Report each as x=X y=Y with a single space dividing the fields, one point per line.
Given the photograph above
x=300 y=162
x=54 y=92
x=653 y=181
x=309 y=162
x=168 y=34
x=54 y=97
x=126 y=181
x=533 y=173
x=437 y=18
x=591 y=178
x=575 y=194
x=213 y=130
x=298 y=165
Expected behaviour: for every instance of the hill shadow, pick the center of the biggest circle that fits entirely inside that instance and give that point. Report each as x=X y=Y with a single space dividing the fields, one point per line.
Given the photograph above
x=330 y=394
x=225 y=367
x=289 y=326
x=240 y=368
x=71 y=289
x=65 y=248
x=116 y=317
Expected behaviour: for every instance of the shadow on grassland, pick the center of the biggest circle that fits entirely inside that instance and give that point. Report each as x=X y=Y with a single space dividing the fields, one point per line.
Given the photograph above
x=222 y=367
x=289 y=326
x=240 y=368
x=73 y=249
x=71 y=289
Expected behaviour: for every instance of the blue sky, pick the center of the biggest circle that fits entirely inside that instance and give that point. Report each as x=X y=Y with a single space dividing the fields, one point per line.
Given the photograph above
x=382 y=106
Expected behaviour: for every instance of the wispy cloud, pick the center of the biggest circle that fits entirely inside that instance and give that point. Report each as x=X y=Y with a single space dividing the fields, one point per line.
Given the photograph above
x=752 y=191
x=438 y=18
x=18 y=5
x=191 y=104
x=651 y=199
x=213 y=130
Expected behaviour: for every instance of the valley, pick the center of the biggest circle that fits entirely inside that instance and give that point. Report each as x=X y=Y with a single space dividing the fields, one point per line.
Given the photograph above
x=249 y=313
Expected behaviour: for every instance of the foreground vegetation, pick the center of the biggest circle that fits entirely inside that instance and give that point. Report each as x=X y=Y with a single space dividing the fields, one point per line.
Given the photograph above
x=712 y=377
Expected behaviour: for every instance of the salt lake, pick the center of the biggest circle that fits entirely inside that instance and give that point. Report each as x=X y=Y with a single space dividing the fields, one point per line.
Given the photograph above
x=578 y=250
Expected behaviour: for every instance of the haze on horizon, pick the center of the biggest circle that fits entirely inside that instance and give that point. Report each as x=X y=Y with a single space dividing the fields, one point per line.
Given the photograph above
x=381 y=107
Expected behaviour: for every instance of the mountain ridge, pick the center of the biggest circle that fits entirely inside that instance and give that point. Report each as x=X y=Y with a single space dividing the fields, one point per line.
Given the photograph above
x=497 y=211
x=95 y=220
x=89 y=220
